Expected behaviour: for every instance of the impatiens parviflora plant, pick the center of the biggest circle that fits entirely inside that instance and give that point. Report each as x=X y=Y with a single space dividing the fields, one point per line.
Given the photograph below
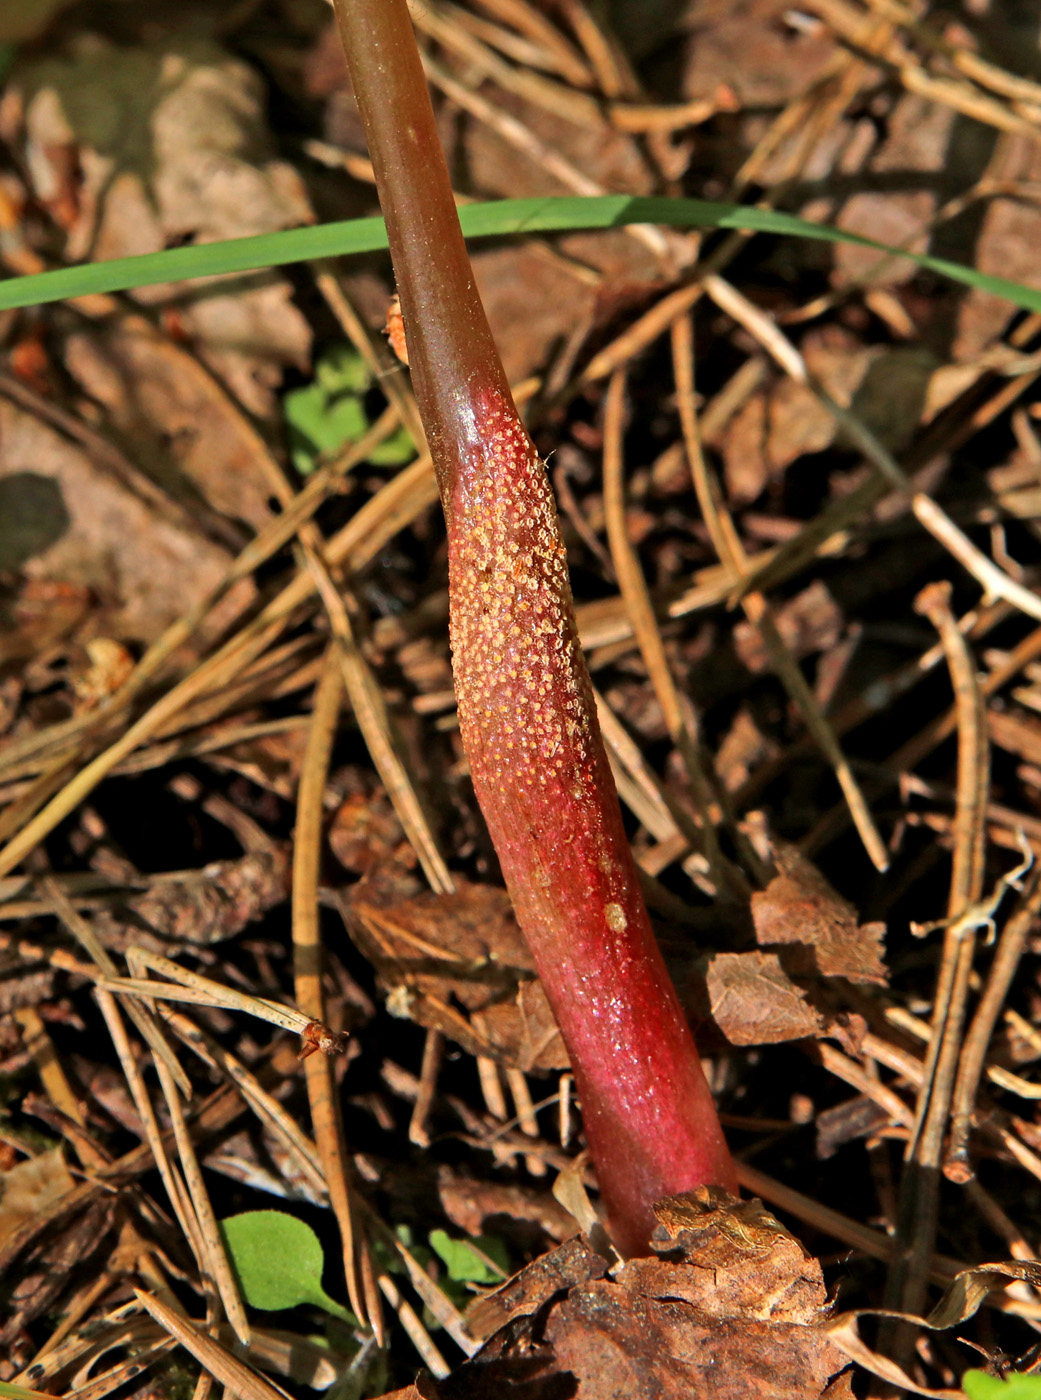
x=526 y=710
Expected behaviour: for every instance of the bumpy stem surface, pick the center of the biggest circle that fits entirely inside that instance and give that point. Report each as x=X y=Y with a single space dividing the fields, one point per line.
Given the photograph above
x=526 y=707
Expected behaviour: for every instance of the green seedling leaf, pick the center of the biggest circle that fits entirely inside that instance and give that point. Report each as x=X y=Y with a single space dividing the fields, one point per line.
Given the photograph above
x=328 y=413
x=552 y=214
x=342 y=370
x=979 y=1385
x=317 y=425
x=278 y=1262
x=482 y=1261
x=19 y=1392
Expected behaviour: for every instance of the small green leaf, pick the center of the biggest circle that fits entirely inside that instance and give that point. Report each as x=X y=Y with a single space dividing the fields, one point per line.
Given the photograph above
x=19 y=1392
x=329 y=412
x=278 y=1261
x=468 y=1261
x=394 y=451
x=342 y=370
x=979 y=1385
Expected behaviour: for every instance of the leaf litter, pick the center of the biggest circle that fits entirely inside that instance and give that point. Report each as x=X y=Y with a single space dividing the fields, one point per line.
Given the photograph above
x=143 y=444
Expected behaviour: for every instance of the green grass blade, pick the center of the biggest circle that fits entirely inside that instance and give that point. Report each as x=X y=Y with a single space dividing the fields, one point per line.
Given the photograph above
x=493 y=220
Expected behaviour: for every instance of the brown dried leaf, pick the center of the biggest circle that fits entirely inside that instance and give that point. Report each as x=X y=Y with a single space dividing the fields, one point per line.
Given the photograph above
x=742 y=749
x=747 y=45
x=910 y=159
x=479 y=1206
x=736 y=1309
x=1006 y=246
x=89 y=531
x=818 y=929
x=751 y=1000
x=786 y=420
x=169 y=143
x=200 y=906
x=181 y=424
x=571 y=1264
x=42 y=614
x=272 y=761
x=436 y=954
x=809 y=622
x=30 y=1187
x=83 y=1242
x=20 y=986
x=535 y=300
x=961 y=1301
x=365 y=831
x=747 y=1264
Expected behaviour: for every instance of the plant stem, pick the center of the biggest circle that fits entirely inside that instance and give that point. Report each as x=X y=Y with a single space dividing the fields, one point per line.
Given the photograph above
x=526 y=708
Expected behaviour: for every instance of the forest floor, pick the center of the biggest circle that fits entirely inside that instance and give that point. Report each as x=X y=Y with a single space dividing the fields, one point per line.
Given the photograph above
x=227 y=724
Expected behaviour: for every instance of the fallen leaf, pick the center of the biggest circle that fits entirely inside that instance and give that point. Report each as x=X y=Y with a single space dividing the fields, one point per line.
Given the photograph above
x=170 y=144
x=537 y=300
x=902 y=161
x=82 y=1242
x=437 y=953
x=747 y=45
x=365 y=831
x=571 y=1264
x=478 y=1207
x=751 y=1000
x=817 y=928
x=785 y=420
x=199 y=906
x=41 y=613
x=30 y=1187
x=90 y=531
x=179 y=421
x=810 y=622
x=742 y=749
x=733 y=1306
x=962 y=1300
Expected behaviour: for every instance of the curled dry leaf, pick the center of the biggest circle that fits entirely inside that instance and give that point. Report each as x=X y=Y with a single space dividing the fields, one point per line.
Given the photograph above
x=817 y=929
x=731 y=1306
x=457 y=963
x=962 y=1300
x=199 y=906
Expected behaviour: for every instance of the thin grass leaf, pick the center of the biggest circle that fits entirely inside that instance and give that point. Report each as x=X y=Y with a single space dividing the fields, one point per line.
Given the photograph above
x=495 y=219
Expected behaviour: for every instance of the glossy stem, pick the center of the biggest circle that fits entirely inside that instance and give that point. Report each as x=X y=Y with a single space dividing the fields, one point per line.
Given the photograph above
x=526 y=708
